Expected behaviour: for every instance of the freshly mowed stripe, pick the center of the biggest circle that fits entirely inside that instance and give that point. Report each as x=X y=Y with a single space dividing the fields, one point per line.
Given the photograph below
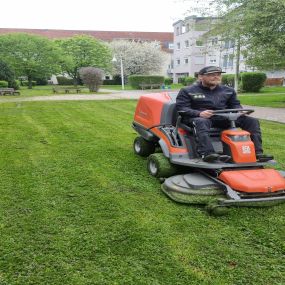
x=263 y=100
x=77 y=207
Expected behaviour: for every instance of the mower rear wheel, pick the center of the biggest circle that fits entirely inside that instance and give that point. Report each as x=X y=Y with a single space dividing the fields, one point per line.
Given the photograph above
x=143 y=147
x=159 y=166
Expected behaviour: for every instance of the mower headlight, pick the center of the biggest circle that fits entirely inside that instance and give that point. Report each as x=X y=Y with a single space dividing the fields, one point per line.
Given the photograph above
x=238 y=138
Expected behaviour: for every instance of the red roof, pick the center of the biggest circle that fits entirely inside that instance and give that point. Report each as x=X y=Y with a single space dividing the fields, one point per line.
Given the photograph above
x=163 y=37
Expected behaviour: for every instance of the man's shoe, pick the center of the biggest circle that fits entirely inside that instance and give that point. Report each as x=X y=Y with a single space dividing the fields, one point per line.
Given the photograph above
x=263 y=157
x=210 y=157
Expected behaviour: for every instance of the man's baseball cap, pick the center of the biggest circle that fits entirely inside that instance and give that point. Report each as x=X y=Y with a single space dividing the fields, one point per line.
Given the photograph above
x=210 y=69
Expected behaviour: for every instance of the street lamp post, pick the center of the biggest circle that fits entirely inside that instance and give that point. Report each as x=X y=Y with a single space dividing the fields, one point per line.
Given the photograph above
x=122 y=70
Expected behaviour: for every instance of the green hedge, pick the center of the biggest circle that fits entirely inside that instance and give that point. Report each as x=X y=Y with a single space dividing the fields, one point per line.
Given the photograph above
x=252 y=81
x=64 y=81
x=3 y=84
x=189 y=80
x=229 y=80
x=168 y=81
x=136 y=80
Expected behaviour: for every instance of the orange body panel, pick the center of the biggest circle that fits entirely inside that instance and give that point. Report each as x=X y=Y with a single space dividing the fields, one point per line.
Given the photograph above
x=149 y=108
x=242 y=151
x=254 y=180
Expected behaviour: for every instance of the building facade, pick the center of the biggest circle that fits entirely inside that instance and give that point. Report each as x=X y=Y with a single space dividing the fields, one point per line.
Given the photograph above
x=192 y=51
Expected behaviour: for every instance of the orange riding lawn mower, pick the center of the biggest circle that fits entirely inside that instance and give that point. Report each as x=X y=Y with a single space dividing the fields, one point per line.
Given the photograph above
x=170 y=148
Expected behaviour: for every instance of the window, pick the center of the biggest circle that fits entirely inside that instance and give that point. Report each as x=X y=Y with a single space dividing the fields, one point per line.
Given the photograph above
x=178 y=61
x=187 y=28
x=177 y=31
x=171 y=46
x=199 y=43
x=214 y=41
x=229 y=43
x=186 y=61
x=199 y=60
x=231 y=60
x=186 y=44
x=225 y=61
x=178 y=46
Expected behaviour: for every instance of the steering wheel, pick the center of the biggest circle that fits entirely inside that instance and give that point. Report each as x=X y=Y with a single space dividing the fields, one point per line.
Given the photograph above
x=232 y=114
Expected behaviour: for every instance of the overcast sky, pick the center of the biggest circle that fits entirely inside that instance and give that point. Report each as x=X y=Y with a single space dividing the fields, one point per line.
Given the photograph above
x=108 y=15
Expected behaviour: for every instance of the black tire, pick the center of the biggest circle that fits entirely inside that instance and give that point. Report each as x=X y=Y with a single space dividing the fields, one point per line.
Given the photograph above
x=159 y=166
x=143 y=147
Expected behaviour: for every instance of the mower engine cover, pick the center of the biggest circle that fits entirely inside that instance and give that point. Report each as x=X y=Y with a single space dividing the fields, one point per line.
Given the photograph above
x=254 y=180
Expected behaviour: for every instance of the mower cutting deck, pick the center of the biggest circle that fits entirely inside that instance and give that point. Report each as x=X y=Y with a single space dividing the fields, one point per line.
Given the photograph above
x=241 y=181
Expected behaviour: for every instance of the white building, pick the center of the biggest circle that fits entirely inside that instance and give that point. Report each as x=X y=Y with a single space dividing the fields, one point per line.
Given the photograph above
x=192 y=51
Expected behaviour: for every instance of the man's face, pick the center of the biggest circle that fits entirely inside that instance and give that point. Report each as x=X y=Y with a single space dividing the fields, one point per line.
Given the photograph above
x=211 y=80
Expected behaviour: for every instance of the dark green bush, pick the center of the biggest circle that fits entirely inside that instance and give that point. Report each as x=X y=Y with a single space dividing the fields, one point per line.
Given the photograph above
x=189 y=80
x=181 y=80
x=64 y=81
x=168 y=81
x=229 y=80
x=252 y=81
x=26 y=83
x=3 y=83
x=15 y=84
x=6 y=73
x=41 y=81
x=136 y=80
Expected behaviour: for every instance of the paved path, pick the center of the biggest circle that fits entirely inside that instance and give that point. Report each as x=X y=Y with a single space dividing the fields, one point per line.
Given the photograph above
x=271 y=114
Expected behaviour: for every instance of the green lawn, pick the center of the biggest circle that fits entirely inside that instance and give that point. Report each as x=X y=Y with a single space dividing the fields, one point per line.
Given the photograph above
x=77 y=207
x=268 y=97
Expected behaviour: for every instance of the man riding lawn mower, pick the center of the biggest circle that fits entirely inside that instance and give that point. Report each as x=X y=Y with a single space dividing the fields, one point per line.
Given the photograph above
x=217 y=164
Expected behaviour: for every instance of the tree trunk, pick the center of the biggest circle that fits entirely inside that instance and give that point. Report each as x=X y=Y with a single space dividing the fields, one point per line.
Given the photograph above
x=237 y=64
x=30 y=83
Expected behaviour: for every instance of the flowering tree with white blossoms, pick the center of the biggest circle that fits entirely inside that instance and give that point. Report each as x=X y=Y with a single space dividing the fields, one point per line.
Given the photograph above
x=138 y=58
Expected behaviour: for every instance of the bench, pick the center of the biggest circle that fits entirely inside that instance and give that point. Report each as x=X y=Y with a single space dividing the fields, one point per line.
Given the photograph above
x=149 y=85
x=66 y=89
x=9 y=91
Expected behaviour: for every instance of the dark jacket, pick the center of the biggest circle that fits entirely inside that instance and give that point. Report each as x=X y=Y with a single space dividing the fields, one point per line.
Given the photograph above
x=196 y=98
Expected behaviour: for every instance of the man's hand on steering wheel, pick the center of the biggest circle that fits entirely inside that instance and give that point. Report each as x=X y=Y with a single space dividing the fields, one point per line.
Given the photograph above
x=206 y=114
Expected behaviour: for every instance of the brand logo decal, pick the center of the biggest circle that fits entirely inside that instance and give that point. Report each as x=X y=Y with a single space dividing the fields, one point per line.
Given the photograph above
x=246 y=149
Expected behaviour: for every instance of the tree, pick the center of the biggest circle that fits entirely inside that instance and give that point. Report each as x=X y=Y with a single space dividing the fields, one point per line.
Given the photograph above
x=92 y=77
x=138 y=58
x=82 y=51
x=29 y=55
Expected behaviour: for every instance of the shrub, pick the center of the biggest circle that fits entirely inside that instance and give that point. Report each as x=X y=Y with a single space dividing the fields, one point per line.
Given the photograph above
x=62 y=80
x=15 y=84
x=26 y=83
x=6 y=73
x=181 y=80
x=252 y=81
x=229 y=80
x=136 y=80
x=41 y=81
x=92 y=77
x=168 y=81
x=3 y=83
x=189 y=80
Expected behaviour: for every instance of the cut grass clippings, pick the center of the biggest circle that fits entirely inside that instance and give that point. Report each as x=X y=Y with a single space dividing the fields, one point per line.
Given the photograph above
x=78 y=207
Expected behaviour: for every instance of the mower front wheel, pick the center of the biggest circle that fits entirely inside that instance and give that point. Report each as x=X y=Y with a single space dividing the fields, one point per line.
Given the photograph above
x=159 y=166
x=143 y=147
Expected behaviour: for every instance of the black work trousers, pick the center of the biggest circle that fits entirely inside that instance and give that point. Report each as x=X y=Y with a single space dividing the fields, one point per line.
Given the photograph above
x=202 y=128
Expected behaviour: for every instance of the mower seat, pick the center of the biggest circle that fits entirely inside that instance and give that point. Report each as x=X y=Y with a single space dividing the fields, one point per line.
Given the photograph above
x=214 y=132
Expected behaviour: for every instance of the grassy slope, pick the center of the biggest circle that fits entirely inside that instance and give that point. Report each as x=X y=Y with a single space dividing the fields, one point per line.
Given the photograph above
x=77 y=207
